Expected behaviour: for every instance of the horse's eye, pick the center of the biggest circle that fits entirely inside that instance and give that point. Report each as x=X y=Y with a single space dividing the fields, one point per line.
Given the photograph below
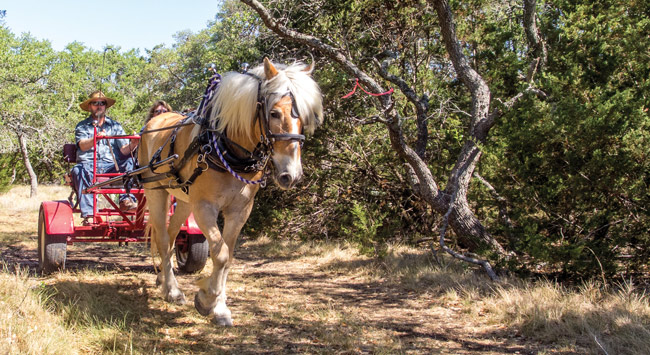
x=276 y=115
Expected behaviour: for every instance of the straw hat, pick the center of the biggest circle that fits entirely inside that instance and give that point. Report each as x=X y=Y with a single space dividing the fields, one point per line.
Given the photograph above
x=96 y=96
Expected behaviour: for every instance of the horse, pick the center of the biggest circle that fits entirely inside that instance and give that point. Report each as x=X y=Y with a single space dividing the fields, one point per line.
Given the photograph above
x=262 y=115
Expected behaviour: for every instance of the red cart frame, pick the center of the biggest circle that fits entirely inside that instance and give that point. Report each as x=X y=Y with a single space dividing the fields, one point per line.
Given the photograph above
x=57 y=229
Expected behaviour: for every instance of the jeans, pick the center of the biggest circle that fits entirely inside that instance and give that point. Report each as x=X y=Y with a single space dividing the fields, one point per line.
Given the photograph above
x=82 y=177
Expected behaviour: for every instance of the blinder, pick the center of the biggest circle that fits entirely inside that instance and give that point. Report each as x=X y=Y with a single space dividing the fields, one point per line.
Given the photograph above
x=263 y=117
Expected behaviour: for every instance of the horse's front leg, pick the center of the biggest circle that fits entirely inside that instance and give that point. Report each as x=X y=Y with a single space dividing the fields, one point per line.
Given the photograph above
x=158 y=201
x=211 y=298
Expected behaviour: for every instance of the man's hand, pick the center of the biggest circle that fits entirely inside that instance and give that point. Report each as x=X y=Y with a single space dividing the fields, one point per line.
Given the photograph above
x=128 y=148
x=87 y=144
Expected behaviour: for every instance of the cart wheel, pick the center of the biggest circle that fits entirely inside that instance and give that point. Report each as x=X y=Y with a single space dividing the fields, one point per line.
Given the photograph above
x=51 y=248
x=192 y=255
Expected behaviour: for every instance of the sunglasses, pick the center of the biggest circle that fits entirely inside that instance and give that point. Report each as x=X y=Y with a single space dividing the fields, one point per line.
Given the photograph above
x=98 y=103
x=159 y=111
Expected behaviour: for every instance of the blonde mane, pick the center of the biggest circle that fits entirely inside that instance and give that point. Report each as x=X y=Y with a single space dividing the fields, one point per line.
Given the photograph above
x=235 y=102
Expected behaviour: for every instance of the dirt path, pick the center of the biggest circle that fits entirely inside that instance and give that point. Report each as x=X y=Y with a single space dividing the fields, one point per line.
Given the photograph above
x=289 y=303
x=374 y=312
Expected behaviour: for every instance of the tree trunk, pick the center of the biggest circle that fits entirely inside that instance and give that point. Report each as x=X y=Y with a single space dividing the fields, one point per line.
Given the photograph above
x=13 y=176
x=32 y=175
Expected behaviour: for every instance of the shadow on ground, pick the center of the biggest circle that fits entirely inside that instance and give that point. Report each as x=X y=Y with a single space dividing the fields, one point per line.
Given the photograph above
x=334 y=312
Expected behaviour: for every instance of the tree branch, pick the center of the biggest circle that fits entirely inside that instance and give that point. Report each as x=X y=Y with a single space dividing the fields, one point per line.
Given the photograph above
x=539 y=55
x=537 y=45
x=501 y=201
x=421 y=104
x=335 y=54
x=462 y=220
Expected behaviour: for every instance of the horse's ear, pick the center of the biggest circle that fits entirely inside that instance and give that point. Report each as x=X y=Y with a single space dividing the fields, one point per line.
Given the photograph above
x=309 y=69
x=269 y=69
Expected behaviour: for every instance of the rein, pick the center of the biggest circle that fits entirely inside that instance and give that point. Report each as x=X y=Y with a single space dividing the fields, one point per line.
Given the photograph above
x=166 y=128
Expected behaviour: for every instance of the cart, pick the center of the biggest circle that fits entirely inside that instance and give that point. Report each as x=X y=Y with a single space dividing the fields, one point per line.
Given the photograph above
x=57 y=229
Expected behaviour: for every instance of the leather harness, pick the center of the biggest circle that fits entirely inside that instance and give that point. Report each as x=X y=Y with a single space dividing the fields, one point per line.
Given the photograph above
x=206 y=144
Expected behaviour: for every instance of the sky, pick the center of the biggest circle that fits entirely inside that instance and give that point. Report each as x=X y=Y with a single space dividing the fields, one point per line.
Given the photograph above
x=128 y=24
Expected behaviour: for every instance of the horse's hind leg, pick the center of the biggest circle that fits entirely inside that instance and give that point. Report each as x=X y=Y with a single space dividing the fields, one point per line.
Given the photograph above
x=211 y=298
x=181 y=212
x=158 y=201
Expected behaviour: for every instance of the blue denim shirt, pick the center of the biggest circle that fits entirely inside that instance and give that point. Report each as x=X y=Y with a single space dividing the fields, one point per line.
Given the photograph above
x=85 y=129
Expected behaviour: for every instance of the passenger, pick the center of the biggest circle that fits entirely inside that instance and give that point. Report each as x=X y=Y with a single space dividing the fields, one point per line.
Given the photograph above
x=113 y=155
x=156 y=109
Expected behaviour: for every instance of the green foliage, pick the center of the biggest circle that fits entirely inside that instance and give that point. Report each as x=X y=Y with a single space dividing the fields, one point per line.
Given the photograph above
x=362 y=226
x=8 y=163
x=350 y=191
x=358 y=189
x=573 y=167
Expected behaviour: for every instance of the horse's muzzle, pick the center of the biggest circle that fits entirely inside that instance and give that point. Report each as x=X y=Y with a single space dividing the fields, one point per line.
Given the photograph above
x=287 y=167
x=286 y=181
x=289 y=176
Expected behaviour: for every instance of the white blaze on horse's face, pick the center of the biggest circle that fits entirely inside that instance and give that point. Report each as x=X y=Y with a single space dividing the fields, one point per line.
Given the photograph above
x=286 y=154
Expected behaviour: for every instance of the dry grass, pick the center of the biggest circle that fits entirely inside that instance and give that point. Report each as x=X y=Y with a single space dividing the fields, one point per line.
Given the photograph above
x=589 y=317
x=27 y=323
x=18 y=200
x=19 y=212
x=294 y=297
x=612 y=322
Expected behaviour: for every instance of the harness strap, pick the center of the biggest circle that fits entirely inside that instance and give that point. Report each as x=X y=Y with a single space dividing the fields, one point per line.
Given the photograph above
x=156 y=177
x=194 y=147
x=288 y=137
x=262 y=117
x=170 y=127
x=251 y=162
x=215 y=150
x=190 y=151
x=171 y=139
x=156 y=156
x=185 y=187
x=222 y=138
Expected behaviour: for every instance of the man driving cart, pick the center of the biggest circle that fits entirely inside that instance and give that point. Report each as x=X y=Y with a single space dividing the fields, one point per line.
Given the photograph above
x=112 y=156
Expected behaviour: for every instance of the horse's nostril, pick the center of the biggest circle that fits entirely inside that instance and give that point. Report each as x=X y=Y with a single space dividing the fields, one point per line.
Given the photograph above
x=285 y=179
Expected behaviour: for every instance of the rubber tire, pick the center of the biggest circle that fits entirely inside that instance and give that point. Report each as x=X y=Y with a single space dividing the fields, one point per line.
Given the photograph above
x=196 y=256
x=51 y=248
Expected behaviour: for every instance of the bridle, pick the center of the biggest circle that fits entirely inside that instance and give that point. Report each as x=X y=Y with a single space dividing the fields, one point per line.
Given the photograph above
x=262 y=116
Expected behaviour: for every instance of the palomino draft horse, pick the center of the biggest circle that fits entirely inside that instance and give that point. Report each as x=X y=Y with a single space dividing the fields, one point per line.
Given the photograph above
x=258 y=117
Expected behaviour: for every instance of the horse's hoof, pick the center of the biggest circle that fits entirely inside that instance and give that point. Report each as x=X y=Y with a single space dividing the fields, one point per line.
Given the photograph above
x=178 y=299
x=222 y=321
x=202 y=310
